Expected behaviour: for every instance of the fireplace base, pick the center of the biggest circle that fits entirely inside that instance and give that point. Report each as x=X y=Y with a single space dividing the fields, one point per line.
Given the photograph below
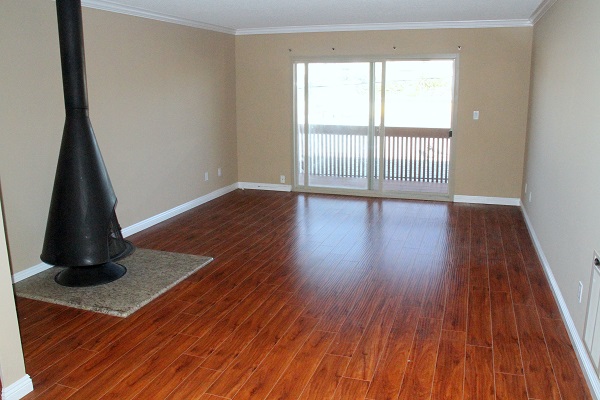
x=92 y=275
x=126 y=248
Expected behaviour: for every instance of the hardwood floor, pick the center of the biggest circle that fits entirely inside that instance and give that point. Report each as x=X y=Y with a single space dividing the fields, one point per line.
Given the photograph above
x=322 y=297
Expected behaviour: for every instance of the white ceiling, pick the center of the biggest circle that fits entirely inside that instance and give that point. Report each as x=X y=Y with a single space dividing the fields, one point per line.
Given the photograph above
x=281 y=16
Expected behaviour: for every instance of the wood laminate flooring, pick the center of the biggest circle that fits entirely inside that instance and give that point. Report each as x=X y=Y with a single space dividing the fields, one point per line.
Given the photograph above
x=322 y=297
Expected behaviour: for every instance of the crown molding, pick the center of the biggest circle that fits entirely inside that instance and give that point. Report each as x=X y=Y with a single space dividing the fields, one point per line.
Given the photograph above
x=512 y=23
x=541 y=10
x=140 y=12
x=111 y=6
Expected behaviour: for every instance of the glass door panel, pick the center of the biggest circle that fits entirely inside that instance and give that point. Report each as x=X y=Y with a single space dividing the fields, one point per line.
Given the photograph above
x=300 y=119
x=338 y=125
x=377 y=101
x=418 y=119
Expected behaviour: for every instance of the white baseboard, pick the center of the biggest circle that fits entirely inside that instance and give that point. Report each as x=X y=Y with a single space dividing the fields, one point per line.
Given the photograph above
x=31 y=271
x=500 y=201
x=585 y=362
x=147 y=223
x=18 y=389
x=265 y=186
x=140 y=226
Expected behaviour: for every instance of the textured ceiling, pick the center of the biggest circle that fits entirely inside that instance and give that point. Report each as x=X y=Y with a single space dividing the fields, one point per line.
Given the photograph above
x=237 y=16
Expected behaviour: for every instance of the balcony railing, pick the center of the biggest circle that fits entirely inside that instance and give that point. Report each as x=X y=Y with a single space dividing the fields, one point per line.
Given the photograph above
x=410 y=154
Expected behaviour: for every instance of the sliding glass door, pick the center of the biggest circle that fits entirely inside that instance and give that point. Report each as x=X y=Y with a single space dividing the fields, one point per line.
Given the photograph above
x=379 y=126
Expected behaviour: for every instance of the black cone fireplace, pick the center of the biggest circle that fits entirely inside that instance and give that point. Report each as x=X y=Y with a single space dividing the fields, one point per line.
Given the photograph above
x=82 y=233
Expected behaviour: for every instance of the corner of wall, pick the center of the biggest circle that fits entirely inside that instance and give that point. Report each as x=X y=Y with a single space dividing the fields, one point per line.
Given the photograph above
x=584 y=361
x=18 y=389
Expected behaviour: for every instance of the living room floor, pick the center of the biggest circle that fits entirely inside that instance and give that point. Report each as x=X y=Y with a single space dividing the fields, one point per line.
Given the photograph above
x=322 y=297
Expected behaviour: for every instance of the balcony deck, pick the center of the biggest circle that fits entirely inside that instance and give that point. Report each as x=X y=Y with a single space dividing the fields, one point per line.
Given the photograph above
x=389 y=185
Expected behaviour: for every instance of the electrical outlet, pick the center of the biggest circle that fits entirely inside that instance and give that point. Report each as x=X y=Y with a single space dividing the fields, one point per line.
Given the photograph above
x=281 y=178
x=219 y=172
x=530 y=197
x=475 y=115
x=580 y=292
x=206 y=176
x=526 y=188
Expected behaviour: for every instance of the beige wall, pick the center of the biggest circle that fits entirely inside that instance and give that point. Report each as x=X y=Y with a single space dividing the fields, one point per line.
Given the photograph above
x=563 y=163
x=494 y=79
x=12 y=365
x=162 y=104
x=164 y=99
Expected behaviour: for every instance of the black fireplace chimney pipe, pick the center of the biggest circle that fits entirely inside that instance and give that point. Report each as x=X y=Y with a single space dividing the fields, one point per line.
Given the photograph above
x=82 y=209
x=70 y=33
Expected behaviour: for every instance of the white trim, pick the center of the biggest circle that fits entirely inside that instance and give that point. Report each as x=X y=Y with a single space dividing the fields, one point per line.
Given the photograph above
x=18 y=389
x=147 y=223
x=140 y=226
x=31 y=271
x=580 y=351
x=143 y=13
x=541 y=10
x=501 y=201
x=510 y=23
x=115 y=7
x=265 y=186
